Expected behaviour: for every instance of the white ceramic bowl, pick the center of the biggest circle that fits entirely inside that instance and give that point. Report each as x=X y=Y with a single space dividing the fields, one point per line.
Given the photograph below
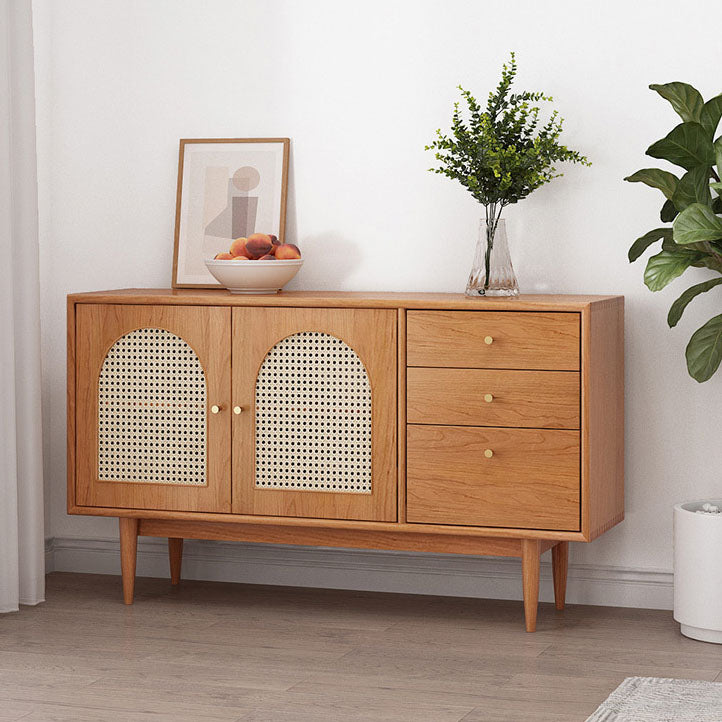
x=254 y=276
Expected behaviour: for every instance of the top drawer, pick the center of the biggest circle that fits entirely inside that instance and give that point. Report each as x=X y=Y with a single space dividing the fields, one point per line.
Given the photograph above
x=493 y=339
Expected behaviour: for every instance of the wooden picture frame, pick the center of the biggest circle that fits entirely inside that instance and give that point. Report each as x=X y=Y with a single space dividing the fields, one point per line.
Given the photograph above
x=216 y=202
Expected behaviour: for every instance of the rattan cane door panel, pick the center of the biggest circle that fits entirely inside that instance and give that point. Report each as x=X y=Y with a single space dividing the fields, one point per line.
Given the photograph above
x=147 y=379
x=316 y=436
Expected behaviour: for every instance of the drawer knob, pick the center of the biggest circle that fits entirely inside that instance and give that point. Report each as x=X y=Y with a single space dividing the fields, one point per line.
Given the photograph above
x=215 y=409
x=488 y=453
x=488 y=340
x=237 y=410
x=488 y=398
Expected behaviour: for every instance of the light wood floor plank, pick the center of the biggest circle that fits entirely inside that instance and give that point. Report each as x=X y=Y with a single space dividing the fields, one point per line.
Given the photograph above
x=227 y=652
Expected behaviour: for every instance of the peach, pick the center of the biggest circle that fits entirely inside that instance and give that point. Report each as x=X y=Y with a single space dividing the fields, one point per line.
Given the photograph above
x=258 y=244
x=275 y=244
x=240 y=258
x=267 y=257
x=222 y=257
x=238 y=247
x=287 y=251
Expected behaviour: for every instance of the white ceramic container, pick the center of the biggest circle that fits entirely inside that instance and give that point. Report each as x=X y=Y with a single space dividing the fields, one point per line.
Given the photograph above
x=254 y=276
x=698 y=571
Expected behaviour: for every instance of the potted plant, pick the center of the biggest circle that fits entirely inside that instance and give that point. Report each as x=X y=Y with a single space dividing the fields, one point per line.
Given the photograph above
x=500 y=155
x=693 y=205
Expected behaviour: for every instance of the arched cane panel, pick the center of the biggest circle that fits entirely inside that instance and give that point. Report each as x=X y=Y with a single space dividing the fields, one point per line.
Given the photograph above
x=152 y=411
x=313 y=417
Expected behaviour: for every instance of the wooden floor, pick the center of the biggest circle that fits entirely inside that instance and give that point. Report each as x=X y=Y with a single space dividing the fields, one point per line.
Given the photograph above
x=207 y=651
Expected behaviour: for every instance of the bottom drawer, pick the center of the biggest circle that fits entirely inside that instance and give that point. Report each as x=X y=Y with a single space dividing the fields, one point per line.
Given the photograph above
x=517 y=478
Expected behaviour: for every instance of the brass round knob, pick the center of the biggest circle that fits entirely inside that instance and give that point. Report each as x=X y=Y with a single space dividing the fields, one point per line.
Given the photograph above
x=488 y=340
x=488 y=398
x=488 y=453
x=215 y=409
x=237 y=410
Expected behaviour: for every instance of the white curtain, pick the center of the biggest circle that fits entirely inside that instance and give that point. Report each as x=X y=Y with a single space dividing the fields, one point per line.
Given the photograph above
x=22 y=572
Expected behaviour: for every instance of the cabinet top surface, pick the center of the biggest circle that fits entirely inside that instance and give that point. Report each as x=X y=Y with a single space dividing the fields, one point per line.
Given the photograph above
x=357 y=299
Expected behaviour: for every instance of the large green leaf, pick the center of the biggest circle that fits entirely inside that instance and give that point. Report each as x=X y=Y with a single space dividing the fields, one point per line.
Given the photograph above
x=710 y=116
x=697 y=223
x=718 y=155
x=668 y=212
x=704 y=350
x=645 y=241
x=693 y=187
x=666 y=266
x=668 y=244
x=685 y=99
x=677 y=309
x=687 y=145
x=709 y=256
x=656 y=178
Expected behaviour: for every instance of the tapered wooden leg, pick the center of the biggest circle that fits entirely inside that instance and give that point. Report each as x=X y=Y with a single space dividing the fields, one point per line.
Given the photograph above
x=128 y=550
x=175 y=556
x=530 y=553
x=560 y=565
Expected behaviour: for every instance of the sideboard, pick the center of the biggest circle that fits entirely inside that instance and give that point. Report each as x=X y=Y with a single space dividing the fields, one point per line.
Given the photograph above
x=422 y=422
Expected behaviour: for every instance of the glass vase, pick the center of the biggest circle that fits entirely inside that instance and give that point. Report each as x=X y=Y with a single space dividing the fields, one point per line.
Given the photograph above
x=492 y=273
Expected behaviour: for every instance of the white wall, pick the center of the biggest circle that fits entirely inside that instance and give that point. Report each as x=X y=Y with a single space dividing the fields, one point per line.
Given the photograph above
x=360 y=88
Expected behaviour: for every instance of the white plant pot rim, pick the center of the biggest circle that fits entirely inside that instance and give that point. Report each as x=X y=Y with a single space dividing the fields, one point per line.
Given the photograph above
x=691 y=507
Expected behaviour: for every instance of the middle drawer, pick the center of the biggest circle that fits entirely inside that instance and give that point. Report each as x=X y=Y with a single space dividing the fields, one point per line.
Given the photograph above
x=493 y=397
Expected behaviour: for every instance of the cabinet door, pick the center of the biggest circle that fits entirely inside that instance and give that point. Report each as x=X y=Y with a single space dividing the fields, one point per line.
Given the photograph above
x=147 y=379
x=315 y=434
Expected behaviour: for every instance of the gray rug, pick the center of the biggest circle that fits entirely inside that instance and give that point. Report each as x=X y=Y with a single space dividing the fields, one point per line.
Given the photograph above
x=654 y=699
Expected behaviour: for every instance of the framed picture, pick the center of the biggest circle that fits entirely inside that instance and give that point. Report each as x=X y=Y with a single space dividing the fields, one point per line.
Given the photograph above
x=227 y=188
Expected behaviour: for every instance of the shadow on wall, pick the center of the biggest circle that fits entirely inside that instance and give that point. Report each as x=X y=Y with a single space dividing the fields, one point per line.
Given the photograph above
x=321 y=270
x=326 y=271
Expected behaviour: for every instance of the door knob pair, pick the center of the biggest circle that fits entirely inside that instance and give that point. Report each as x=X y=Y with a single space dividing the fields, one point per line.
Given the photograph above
x=215 y=409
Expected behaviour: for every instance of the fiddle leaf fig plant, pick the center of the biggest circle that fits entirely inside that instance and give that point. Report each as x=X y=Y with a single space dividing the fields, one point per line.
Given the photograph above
x=693 y=204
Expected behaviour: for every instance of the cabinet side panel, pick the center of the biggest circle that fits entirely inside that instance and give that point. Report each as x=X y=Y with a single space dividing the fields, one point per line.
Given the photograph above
x=70 y=410
x=401 y=419
x=602 y=416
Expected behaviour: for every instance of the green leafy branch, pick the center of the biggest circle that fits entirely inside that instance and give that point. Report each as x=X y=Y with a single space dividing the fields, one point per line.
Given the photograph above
x=503 y=153
x=695 y=237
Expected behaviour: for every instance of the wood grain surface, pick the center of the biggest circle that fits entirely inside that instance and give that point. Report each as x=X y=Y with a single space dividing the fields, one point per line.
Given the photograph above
x=238 y=652
x=493 y=340
x=208 y=332
x=531 y=479
x=343 y=299
x=371 y=334
x=484 y=397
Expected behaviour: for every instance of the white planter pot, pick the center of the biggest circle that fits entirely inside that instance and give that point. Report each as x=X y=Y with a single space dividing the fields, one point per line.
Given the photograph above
x=698 y=571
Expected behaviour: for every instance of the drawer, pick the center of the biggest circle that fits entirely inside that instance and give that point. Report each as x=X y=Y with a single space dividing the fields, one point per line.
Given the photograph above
x=531 y=480
x=480 y=397
x=493 y=339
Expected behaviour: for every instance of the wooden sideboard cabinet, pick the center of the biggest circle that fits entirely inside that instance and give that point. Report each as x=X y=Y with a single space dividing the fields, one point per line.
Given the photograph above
x=422 y=422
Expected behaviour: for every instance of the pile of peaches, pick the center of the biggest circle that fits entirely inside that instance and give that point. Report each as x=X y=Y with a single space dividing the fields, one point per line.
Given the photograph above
x=259 y=247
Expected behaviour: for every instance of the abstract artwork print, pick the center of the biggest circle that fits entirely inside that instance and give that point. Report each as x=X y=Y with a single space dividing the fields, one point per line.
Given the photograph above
x=226 y=189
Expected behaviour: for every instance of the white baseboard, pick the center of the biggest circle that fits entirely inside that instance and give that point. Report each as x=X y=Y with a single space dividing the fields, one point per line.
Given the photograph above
x=358 y=569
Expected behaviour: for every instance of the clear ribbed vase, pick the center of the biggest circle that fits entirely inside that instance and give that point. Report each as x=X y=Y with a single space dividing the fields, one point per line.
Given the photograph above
x=492 y=273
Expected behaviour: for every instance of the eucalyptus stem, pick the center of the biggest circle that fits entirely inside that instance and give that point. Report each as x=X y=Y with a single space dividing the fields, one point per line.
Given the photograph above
x=492 y=218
